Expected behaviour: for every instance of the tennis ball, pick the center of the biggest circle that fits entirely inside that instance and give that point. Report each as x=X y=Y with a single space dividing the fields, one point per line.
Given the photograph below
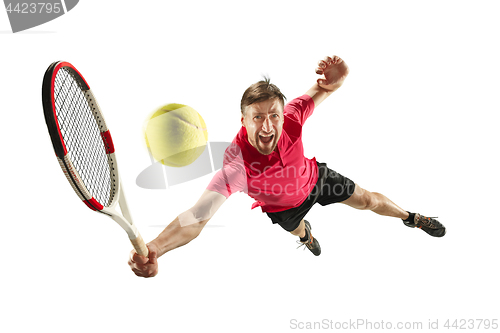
x=176 y=135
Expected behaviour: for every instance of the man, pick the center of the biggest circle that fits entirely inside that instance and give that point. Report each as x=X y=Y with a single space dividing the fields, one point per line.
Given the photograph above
x=266 y=161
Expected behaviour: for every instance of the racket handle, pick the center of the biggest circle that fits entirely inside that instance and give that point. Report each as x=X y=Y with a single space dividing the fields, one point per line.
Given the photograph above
x=139 y=246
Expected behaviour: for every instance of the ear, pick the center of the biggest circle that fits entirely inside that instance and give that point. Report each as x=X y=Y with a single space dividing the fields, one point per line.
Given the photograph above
x=243 y=121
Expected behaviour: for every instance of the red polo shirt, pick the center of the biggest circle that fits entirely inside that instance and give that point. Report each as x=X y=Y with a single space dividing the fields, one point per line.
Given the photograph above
x=278 y=181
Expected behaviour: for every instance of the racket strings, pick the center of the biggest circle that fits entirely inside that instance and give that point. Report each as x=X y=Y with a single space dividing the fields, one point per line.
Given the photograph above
x=82 y=136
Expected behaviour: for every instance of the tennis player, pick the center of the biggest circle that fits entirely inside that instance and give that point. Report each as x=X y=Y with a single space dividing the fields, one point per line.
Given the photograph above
x=266 y=160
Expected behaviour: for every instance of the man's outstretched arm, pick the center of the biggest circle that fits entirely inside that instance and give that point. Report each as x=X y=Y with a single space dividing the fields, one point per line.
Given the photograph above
x=335 y=71
x=186 y=227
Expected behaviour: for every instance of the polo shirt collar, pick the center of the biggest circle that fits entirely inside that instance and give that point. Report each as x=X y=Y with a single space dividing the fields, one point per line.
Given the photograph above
x=254 y=154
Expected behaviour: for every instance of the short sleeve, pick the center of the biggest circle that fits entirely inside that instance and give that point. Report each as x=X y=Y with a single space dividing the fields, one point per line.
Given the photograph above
x=232 y=177
x=300 y=108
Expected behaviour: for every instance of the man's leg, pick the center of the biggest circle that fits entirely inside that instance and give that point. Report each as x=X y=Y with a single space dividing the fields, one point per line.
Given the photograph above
x=380 y=204
x=300 y=230
x=376 y=202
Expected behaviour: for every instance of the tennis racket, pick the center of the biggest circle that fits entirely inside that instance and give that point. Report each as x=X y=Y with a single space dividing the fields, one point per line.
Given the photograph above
x=84 y=147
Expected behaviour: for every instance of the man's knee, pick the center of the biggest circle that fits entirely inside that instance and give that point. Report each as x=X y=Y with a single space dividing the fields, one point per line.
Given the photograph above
x=363 y=199
x=369 y=200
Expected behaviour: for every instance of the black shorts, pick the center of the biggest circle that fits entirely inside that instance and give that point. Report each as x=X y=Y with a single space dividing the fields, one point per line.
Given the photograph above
x=331 y=187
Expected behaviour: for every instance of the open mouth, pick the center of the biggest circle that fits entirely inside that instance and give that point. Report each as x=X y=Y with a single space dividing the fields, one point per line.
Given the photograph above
x=266 y=138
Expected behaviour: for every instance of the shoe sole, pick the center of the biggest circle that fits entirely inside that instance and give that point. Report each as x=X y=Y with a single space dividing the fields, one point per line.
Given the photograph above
x=426 y=229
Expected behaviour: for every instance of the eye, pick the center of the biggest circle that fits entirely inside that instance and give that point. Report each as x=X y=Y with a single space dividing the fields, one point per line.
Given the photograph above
x=275 y=115
x=256 y=117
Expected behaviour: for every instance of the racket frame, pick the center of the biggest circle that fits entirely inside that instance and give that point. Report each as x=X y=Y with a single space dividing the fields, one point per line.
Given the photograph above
x=117 y=195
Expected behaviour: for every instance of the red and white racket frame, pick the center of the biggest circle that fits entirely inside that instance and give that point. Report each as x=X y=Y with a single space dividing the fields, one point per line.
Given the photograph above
x=117 y=195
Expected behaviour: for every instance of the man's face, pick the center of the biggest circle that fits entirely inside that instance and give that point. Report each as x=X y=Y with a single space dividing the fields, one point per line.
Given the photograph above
x=264 y=123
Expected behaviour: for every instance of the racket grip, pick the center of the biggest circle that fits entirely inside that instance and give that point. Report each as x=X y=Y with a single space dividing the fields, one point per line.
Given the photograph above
x=139 y=246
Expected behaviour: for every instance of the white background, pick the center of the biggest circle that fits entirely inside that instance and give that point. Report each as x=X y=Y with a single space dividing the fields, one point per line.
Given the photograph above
x=416 y=120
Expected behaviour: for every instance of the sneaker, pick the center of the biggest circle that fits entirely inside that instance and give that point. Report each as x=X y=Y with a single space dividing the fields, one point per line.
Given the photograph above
x=311 y=243
x=428 y=224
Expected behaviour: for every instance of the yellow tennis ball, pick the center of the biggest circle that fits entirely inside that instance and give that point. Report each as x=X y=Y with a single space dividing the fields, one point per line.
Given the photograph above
x=176 y=135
